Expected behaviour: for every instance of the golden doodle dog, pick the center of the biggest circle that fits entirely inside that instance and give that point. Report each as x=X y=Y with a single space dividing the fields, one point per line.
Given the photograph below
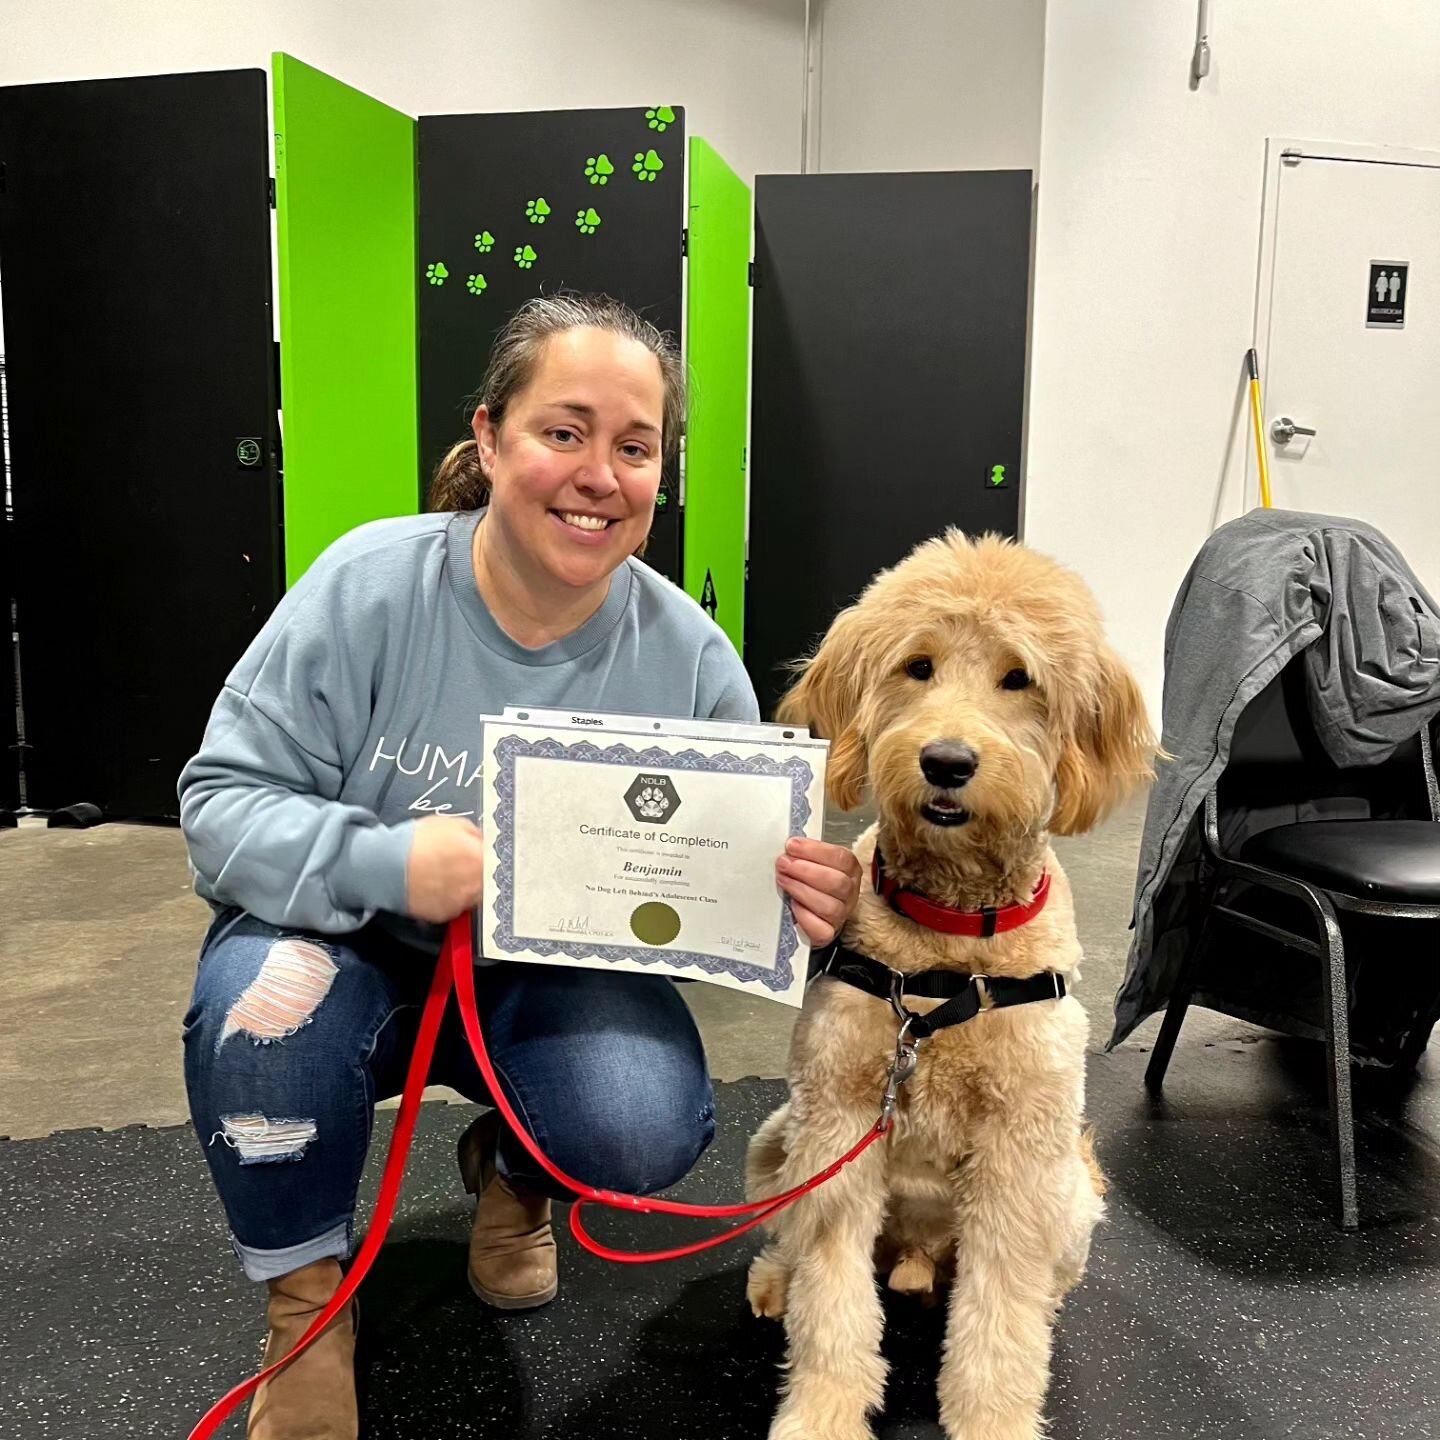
x=972 y=690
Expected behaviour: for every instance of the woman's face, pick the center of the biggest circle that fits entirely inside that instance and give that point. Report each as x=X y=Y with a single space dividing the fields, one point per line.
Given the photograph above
x=576 y=463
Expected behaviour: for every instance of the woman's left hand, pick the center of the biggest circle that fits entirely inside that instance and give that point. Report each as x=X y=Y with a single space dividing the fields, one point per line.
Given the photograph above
x=823 y=883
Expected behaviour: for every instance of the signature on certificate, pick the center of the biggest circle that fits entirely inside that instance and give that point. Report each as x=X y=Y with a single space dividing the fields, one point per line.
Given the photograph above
x=740 y=944
x=571 y=925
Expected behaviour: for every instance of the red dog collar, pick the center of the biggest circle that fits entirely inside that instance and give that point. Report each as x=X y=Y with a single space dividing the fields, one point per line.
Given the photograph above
x=932 y=915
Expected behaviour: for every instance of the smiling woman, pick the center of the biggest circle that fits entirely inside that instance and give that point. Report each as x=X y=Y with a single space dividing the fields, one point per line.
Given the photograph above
x=329 y=816
x=462 y=478
x=574 y=462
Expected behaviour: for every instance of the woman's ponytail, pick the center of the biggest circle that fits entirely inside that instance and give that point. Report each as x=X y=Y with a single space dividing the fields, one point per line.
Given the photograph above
x=460 y=482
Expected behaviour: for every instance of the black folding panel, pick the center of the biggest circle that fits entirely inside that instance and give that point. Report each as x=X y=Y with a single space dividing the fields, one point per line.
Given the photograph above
x=135 y=269
x=888 y=384
x=516 y=205
x=9 y=752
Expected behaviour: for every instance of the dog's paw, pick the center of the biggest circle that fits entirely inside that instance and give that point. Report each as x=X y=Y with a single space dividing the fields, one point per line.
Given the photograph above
x=794 y=1423
x=768 y=1288
x=1022 y=1426
x=914 y=1274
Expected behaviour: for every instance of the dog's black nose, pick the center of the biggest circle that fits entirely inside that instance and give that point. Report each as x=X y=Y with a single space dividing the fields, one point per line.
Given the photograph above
x=948 y=763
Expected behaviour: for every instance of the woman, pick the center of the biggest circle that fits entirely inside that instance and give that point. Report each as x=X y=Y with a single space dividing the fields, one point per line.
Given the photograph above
x=330 y=820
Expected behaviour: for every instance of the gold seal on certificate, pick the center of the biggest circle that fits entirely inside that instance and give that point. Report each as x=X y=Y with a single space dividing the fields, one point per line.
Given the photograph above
x=625 y=842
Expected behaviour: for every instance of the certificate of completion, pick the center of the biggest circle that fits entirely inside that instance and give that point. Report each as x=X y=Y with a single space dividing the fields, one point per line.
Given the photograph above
x=636 y=849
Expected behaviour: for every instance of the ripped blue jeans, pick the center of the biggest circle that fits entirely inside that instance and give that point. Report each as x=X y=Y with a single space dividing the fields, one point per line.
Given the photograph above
x=291 y=1038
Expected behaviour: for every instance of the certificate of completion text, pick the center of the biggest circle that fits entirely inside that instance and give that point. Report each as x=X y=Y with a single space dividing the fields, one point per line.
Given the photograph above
x=643 y=853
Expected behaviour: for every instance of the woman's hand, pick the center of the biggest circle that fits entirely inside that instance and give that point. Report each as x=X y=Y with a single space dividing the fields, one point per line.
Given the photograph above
x=823 y=883
x=445 y=875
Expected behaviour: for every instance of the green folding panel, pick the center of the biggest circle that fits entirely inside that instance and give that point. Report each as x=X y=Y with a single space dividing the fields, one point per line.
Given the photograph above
x=345 y=200
x=718 y=332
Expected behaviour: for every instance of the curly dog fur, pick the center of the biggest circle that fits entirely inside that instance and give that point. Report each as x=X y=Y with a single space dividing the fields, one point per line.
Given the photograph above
x=988 y=1179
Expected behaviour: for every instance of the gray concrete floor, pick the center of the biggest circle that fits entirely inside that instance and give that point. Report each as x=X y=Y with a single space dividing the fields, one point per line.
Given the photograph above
x=99 y=932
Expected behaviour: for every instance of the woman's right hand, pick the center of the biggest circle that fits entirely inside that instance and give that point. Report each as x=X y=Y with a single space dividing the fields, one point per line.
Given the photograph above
x=445 y=875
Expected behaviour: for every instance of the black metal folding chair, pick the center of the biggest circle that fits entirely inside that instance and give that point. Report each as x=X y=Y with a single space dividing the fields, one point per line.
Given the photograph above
x=1386 y=867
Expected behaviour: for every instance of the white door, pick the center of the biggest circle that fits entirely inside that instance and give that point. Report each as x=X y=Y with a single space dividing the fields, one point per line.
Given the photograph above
x=1349 y=340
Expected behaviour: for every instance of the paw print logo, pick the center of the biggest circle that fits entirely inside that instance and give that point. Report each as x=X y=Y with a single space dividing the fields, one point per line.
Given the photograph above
x=647 y=165
x=484 y=242
x=652 y=798
x=437 y=274
x=661 y=118
x=477 y=284
x=598 y=169
x=525 y=257
x=587 y=222
x=537 y=211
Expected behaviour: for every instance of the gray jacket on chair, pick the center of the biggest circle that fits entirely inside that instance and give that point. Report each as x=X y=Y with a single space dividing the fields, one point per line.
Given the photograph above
x=1262 y=589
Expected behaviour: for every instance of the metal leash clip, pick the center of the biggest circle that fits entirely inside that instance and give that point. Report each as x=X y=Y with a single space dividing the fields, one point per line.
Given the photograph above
x=902 y=1067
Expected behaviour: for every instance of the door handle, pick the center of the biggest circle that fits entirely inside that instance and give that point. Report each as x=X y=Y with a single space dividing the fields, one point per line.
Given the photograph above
x=1284 y=430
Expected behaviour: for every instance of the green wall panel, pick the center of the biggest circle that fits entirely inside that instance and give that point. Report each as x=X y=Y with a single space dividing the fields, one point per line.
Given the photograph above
x=718 y=332
x=345 y=201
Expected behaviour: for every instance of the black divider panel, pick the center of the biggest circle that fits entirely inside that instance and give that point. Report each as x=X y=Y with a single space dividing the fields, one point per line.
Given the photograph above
x=135 y=257
x=9 y=753
x=517 y=205
x=889 y=374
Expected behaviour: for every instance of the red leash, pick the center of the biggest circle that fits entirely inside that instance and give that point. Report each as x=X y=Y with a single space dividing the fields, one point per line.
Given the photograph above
x=458 y=942
x=456 y=970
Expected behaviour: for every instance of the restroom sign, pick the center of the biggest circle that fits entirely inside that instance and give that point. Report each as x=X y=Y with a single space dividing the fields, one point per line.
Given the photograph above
x=1389 y=286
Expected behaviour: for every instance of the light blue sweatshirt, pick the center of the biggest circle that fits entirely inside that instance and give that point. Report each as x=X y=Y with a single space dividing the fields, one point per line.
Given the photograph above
x=353 y=714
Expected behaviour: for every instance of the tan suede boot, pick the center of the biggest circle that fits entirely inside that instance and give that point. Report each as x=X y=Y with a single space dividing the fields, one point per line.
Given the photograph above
x=314 y=1397
x=512 y=1248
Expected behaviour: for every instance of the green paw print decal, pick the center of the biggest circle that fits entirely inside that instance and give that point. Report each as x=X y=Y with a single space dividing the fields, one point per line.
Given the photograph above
x=598 y=169
x=525 y=257
x=536 y=211
x=484 y=242
x=587 y=222
x=647 y=165
x=661 y=118
x=477 y=284
x=437 y=274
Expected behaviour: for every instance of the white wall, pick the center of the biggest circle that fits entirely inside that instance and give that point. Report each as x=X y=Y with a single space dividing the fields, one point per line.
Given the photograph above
x=736 y=65
x=1147 y=256
x=927 y=84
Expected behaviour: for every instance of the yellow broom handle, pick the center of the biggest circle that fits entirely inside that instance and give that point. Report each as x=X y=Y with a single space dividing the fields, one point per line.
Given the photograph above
x=1254 y=367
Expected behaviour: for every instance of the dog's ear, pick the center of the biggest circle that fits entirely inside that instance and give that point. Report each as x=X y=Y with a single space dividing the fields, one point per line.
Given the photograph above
x=1108 y=749
x=826 y=698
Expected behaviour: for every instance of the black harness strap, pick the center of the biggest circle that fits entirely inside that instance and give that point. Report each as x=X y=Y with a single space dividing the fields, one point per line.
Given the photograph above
x=965 y=995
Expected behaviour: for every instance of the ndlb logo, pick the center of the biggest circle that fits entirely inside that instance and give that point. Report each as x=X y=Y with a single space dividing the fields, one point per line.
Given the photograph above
x=652 y=798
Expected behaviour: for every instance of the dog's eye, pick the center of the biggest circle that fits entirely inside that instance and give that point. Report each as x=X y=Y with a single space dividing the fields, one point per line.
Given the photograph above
x=1016 y=680
x=920 y=668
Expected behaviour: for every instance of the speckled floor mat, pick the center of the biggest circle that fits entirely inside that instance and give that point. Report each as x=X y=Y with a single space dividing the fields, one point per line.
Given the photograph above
x=1219 y=1303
